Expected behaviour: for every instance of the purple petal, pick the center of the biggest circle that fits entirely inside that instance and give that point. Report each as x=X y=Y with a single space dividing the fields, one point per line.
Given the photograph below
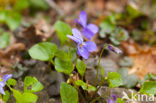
x=6 y=77
x=90 y=46
x=110 y=47
x=87 y=33
x=82 y=51
x=77 y=21
x=83 y=18
x=74 y=38
x=117 y=50
x=2 y=84
x=77 y=34
x=114 y=49
x=93 y=28
x=110 y=101
x=2 y=91
x=114 y=97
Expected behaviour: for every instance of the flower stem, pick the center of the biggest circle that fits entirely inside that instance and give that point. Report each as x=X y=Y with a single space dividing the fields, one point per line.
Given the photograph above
x=107 y=93
x=80 y=94
x=94 y=100
x=52 y=62
x=83 y=98
x=99 y=65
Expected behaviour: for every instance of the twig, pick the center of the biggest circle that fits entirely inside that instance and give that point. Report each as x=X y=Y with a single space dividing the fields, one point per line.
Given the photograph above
x=54 y=6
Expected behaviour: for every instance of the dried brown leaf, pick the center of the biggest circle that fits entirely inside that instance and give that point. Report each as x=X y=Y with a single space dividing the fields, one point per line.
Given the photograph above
x=144 y=58
x=8 y=56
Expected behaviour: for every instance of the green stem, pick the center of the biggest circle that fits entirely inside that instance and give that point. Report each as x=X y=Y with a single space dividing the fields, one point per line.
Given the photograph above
x=96 y=91
x=99 y=65
x=94 y=100
x=52 y=62
x=101 y=82
x=0 y=96
x=9 y=86
x=81 y=95
x=104 y=95
x=83 y=98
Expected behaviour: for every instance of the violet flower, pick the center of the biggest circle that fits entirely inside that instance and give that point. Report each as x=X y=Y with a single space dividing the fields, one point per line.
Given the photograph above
x=114 y=49
x=3 y=82
x=83 y=48
x=89 y=30
x=114 y=100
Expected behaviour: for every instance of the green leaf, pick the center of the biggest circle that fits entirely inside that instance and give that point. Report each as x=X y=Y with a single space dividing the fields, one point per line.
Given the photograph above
x=119 y=100
x=102 y=76
x=4 y=40
x=34 y=83
x=11 y=82
x=68 y=93
x=62 y=30
x=114 y=79
x=13 y=20
x=129 y=81
x=81 y=67
x=102 y=72
x=145 y=25
x=29 y=98
x=85 y=86
x=59 y=54
x=91 y=88
x=123 y=72
x=71 y=50
x=65 y=66
x=43 y=51
x=114 y=40
x=151 y=77
x=132 y=12
x=39 y=4
x=37 y=87
x=21 y=4
x=25 y=97
x=126 y=62
x=136 y=34
x=106 y=28
x=108 y=25
x=149 y=88
x=6 y=96
x=118 y=35
x=2 y=15
x=17 y=95
x=82 y=84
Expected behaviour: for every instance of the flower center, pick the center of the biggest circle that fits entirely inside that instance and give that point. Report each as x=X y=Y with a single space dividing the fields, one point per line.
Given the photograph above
x=1 y=79
x=80 y=45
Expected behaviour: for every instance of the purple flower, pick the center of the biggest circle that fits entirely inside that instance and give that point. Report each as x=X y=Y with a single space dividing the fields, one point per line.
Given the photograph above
x=89 y=30
x=114 y=97
x=114 y=49
x=83 y=48
x=3 y=82
x=112 y=101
